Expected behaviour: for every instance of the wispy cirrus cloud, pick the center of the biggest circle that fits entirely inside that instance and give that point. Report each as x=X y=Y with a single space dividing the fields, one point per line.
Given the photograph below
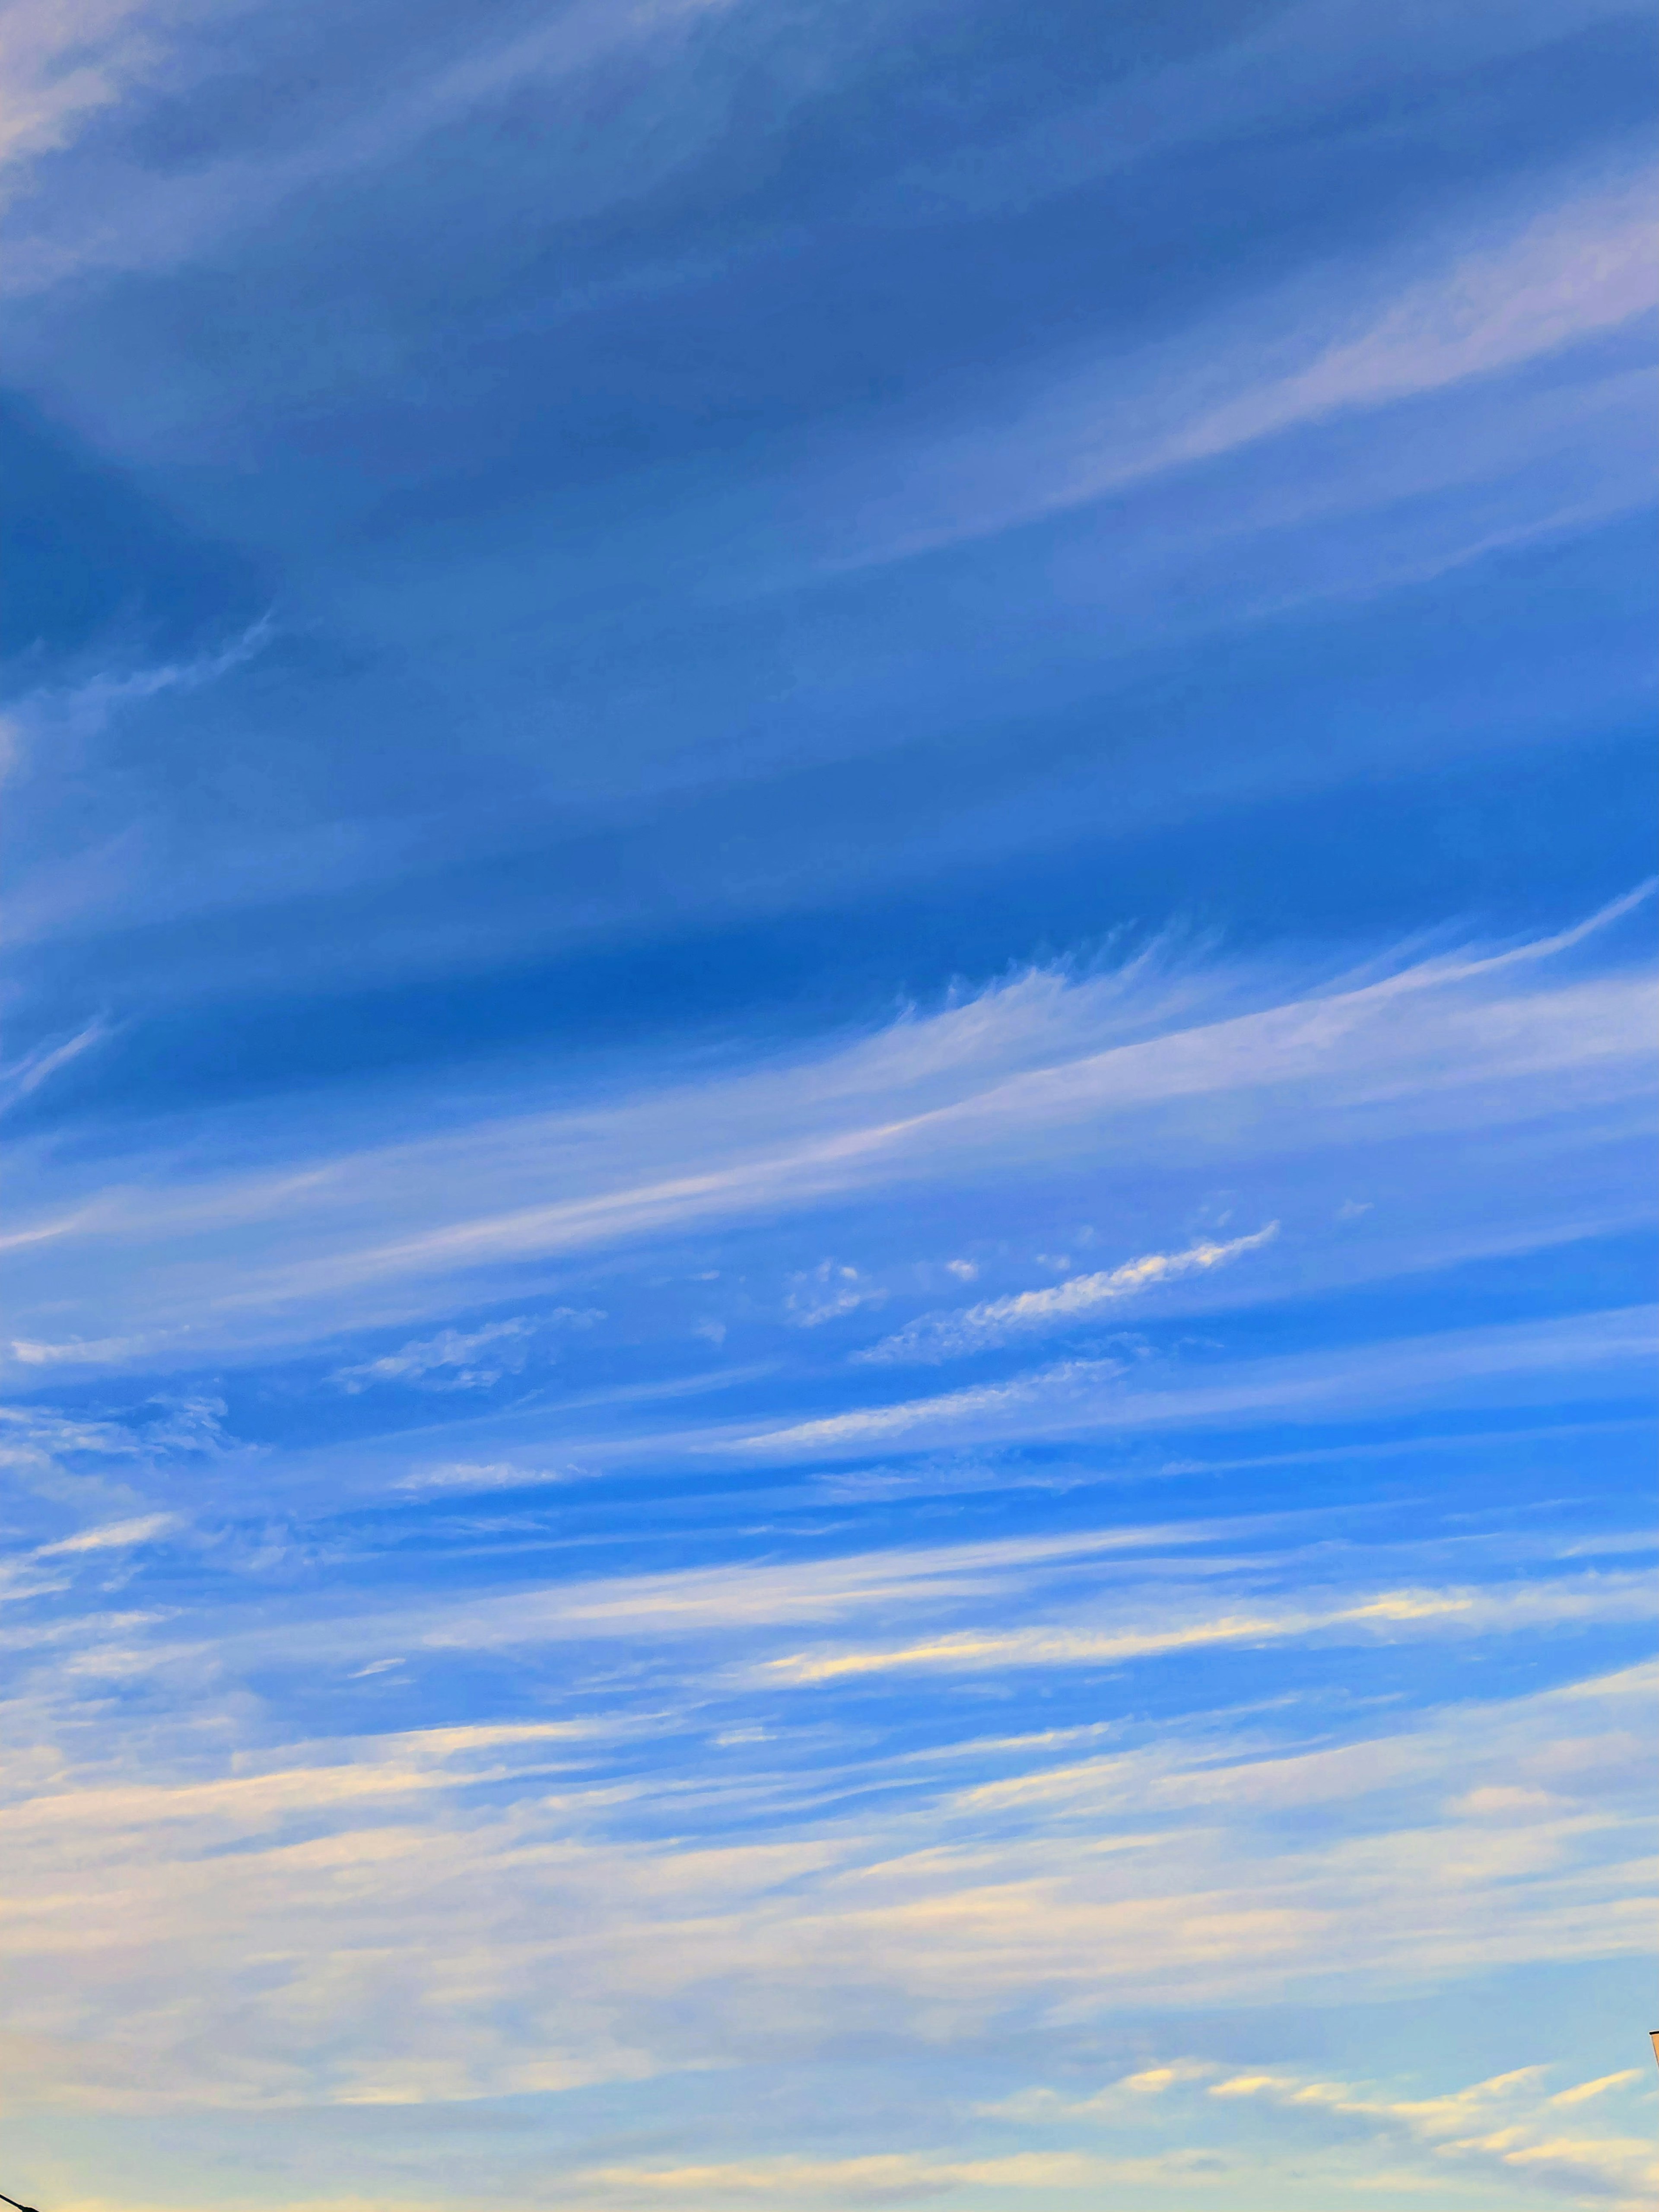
x=465 y=1475
x=1198 y=1876
x=1300 y=60
x=131 y=213
x=26 y=1075
x=1391 y=1613
x=84 y=705
x=81 y=1352
x=62 y=64
x=1559 y=275
x=1555 y=1358
x=894 y=2177
x=980 y=1327
x=111 y=1535
x=1569 y=274
x=826 y=1292
x=1514 y=2125
x=456 y=1359
x=1026 y=1075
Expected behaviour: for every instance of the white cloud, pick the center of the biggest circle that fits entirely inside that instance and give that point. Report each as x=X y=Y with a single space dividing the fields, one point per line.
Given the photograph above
x=480 y=1475
x=1388 y=1613
x=39 y=1067
x=1529 y=286
x=101 y=1351
x=62 y=61
x=112 y=1536
x=991 y=1404
x=1507 y=2122
x=826 y=1292
x=744 y=1598
x=1570 y=273
x=1001 y=1608
x=1030 y=1313
x=1531 y=1361
x=453 y=1361
x=128 y=214
x=448 y=1361
x=93 y=1468
x=1503 y=2125
x=1295 y=61
x=52 y=714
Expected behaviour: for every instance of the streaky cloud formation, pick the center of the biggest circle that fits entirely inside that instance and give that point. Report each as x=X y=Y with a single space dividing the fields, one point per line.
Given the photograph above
x=451 y=1361
x=1565 y=278
x=828 y=1092
x=994 y=1320
x=1026 y=1072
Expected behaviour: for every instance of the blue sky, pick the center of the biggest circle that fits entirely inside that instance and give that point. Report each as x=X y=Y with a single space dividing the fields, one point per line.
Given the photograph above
x=828 y=1095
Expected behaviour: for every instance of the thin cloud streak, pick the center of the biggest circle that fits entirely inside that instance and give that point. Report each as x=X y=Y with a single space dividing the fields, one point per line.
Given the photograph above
x=1390 y=1613
x=1539 y=1361
x=1562 y=278
x=996 y=1320
x=26 y=1075
x=1508 y=2124
x=112 y=1536
x=1302 y=61
x=149 y=221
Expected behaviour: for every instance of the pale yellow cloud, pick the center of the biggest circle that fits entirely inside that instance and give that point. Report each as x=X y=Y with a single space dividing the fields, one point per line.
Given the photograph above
x=185 y=1937
x=839 y=2182
x=1613 y=1598
x=1586 y=2090
x=1501 y=2124
x=111 y=1535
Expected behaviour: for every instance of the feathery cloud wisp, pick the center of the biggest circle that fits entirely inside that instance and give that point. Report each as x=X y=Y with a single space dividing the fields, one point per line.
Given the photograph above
x=454 y=1360
x=111 y=1535
x=1028 y=1313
